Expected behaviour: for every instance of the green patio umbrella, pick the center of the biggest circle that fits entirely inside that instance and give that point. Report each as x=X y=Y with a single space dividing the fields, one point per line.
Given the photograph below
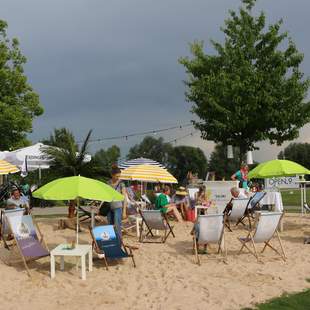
x=277 y=168
x=77 y=187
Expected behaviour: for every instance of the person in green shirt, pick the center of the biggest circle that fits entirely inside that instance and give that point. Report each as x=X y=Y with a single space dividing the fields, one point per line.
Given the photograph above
x=162 y=203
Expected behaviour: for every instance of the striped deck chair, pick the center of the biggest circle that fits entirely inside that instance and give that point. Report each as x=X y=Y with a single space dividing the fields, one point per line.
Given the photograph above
x=28 y=239
x=154 y=220
x=108 y=244
x=209 y=229
x=237 y=213
x=254 y=205
x=266 y=228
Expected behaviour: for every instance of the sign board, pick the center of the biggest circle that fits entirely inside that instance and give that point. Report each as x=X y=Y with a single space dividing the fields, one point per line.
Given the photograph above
x=283 y=182
x=219 y=192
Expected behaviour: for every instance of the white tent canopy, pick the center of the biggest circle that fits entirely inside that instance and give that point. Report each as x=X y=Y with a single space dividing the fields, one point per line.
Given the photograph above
x=32 y=155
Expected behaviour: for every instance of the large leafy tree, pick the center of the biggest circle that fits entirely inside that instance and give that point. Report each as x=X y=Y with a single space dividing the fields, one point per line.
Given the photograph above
x=251 y=89
x=19 y=104
x=61 y=137
x=221 y=165
x=298 y=152
x=105 y=158
x=188 y=158
x=152 y=148
x=179 y=160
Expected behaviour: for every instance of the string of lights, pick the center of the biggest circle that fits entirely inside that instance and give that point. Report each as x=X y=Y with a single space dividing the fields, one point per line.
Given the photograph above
x=182 y=137
x=191 y=134
x=142 y=133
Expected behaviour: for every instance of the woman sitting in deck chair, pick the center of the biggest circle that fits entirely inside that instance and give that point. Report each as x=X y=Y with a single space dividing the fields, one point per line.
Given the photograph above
x=162 y=204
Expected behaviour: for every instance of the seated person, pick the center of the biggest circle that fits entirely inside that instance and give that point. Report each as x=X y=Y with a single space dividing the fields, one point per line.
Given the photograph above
x=180 y=198
x=201 y=197
x=162 y=204
x=17 y=200
x=236 y=193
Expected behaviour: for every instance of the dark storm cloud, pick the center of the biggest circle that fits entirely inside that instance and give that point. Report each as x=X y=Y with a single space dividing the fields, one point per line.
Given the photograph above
x=112 y=65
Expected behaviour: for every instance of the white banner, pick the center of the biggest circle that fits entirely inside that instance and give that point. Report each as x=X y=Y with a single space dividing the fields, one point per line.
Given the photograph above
x=219 y=192
x=283 y=182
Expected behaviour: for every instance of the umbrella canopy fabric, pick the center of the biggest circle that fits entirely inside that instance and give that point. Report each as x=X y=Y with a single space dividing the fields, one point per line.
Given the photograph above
x=32 y=156
x=139 y=161
x=277 y=168
x=148 y=173
x=71 y=188
x=6 y=168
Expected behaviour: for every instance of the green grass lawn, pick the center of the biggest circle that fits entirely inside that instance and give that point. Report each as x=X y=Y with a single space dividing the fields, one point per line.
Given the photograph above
x=292 y=197
x=299 y=301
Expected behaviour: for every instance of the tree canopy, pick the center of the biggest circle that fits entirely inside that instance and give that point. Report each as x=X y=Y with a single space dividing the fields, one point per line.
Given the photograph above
x=221 y=165
x=188 y=158
x=68 y=158
x=152 y=148
x=251 y=89
x=61 y=137
x=105 y=158
x=179 y=160
x=298 y=152
x=19 y=104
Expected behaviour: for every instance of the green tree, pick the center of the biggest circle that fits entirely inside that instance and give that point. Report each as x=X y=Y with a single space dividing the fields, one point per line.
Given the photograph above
x=61 y=137
x=19 y=104
x=221 y=165
x=298 y=152
x=104 y=159
x=251 y=89
x=152 y=148
x=188 y=158
x=67 y=158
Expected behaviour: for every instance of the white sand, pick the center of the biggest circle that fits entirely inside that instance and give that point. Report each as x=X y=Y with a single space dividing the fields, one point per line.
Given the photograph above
x=166 y=276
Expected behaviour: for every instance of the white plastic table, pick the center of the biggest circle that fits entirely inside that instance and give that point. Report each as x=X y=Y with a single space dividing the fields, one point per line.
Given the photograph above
x=80 y=250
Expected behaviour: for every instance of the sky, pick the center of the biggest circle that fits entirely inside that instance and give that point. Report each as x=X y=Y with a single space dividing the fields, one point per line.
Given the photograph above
x=112 y=66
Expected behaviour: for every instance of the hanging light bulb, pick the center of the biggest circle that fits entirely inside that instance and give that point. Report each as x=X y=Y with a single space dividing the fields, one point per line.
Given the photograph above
x=249 y=158
x=230 y=153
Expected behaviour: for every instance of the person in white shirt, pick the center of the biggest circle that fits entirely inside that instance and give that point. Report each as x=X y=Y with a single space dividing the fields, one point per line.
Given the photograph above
x=17 y=200
x=237 y=193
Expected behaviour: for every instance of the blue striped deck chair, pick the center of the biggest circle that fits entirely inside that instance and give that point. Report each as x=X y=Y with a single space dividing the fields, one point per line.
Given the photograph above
x=256 y=199
x=108 y=244
x=154 y=220
x=253 y=205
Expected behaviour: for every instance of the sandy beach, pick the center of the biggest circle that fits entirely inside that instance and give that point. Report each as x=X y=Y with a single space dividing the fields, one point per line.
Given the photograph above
x=166 y=276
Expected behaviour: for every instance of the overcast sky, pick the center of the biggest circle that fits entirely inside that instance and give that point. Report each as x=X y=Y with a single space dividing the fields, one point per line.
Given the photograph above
x=112 y=66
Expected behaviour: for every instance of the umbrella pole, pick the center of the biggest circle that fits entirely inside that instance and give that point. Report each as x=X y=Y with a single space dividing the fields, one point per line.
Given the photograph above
x=77 y=220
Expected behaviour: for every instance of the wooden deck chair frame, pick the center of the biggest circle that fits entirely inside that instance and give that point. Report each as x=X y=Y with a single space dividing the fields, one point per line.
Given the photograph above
x=222 y=249
x=250 y=239
x=101 y=255
x=127 y=229
x=241 y=219
x=41 y=240
x=168 y=230
x=249 y=212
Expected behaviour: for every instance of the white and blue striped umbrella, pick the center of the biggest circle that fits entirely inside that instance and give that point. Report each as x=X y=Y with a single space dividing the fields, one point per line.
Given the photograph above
x=139 y=161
